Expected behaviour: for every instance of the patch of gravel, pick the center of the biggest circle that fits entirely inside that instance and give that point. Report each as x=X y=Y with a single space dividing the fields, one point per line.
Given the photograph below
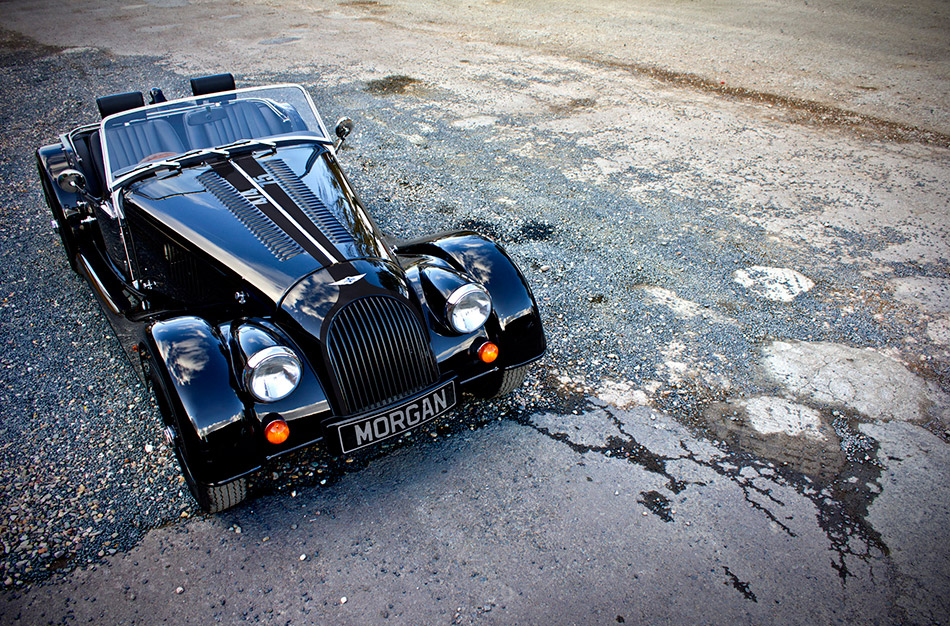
x=82 y=472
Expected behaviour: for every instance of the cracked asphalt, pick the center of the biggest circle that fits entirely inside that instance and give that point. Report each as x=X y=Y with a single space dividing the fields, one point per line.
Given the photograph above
x=742 y=268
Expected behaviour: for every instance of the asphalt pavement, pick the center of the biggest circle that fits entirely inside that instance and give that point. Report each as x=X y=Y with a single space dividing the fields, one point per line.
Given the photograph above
x=743 y=416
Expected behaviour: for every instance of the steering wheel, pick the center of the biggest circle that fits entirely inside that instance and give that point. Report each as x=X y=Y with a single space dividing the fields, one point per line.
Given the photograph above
x=157 y=156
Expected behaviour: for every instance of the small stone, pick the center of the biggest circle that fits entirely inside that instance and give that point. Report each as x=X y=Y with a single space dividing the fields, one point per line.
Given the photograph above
x=237 y=530
x=343 y=600
x=149 y=448
x=545 y=268
x=303 y=557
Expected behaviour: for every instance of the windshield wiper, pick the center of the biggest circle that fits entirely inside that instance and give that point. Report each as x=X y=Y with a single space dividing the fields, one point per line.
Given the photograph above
x=246 y=145
x=147 y=168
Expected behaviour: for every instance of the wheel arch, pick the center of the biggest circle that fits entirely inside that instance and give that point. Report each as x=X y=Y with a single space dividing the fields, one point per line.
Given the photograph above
x=50 y=161
x=191 y=366
x=516 y=321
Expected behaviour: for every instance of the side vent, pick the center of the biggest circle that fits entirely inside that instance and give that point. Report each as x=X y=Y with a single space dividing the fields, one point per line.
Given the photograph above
x=314 y=208
x=182 y=268
x=267 y=232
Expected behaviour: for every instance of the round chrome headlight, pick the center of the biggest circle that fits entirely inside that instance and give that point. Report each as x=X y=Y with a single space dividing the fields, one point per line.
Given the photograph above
x=467 y=308
x=272 y=374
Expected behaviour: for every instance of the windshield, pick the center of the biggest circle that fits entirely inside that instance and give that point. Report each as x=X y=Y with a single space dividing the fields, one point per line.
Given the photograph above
x=163 y=131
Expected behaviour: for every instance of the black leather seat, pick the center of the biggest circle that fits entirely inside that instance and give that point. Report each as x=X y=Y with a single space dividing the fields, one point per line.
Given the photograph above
x=230 y=122
x=89 y=151
x=128 y=144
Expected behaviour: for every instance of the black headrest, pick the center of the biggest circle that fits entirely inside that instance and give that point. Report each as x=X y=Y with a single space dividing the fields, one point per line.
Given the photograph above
x=212 y=84
x=119 y=102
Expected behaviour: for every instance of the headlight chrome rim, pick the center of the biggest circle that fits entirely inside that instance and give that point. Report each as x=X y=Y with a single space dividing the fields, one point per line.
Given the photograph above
x=264 y=383
x=468 y=308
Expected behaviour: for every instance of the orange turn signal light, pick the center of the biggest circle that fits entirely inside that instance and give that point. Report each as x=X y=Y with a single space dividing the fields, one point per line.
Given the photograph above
x=488 y=352
x=277 y=431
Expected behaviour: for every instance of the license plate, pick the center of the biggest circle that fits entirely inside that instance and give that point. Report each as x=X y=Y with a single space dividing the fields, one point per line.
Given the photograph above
x=366 y=430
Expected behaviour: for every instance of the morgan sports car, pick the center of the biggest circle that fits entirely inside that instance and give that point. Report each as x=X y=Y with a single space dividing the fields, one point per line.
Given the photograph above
x=254 y=295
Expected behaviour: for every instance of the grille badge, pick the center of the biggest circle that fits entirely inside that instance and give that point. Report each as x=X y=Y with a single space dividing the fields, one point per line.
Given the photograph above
x=349 y=280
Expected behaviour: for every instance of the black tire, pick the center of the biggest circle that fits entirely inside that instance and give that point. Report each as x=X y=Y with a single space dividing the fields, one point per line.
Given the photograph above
x=501 y=383
x=212 y=499
x=222 y=497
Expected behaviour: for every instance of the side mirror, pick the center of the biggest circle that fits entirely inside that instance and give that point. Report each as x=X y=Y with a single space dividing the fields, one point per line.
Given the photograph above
x=71 y=181
x=343 y=128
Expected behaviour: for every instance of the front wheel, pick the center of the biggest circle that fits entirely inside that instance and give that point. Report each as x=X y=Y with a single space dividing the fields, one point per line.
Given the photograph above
x=222 y=497
x=500 y=383
x=211 y=498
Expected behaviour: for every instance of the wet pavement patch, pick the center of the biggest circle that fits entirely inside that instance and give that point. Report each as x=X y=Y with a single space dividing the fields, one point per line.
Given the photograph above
x=363 y=4
x=483 y=227
x=658 y=503
x=276 y=41
x=738 y=585
x=534 y=230
x=573 y=105
x=393 y=84
x=776 y=430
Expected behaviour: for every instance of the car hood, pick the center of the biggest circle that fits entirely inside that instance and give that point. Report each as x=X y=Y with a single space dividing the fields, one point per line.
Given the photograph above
x=271 y=220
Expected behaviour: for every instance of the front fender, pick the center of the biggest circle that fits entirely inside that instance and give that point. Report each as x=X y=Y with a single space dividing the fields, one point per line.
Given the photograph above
x=515 y=324
x=197 y=368
x=189 y=363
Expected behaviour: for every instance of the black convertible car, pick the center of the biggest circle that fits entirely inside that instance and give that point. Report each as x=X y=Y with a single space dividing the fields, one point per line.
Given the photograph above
x=255 y=296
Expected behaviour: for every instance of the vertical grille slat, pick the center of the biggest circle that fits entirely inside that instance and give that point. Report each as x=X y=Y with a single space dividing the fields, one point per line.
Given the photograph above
x=379 y=353
x=351 y=353
x=363 y=353
x=398 y=380
x=409 y=346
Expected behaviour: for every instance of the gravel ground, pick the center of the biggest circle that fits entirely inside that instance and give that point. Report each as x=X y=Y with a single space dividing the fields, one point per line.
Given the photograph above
x=82 y=474
x=637 y=290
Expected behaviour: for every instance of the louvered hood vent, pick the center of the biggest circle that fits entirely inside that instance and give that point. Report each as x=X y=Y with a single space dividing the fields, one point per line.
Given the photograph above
x=262 y=227
x=312 y=206
x=274 y=238
x=379 y=353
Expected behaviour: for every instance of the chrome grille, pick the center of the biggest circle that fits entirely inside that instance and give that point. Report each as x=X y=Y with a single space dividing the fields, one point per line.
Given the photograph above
x=379 y=353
